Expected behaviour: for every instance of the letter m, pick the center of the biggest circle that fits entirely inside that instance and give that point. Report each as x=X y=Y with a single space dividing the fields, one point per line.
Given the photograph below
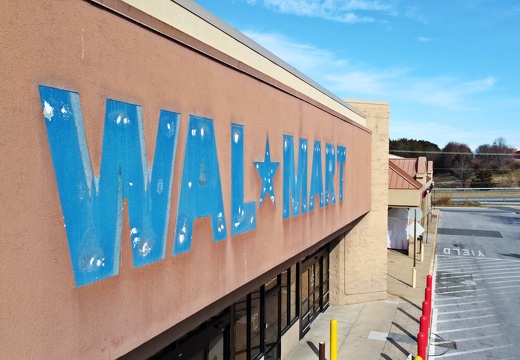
x=92 y=206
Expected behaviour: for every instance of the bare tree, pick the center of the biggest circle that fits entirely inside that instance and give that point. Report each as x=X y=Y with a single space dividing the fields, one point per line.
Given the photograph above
x=483 y=158
x=502 y=153
x=462 y=168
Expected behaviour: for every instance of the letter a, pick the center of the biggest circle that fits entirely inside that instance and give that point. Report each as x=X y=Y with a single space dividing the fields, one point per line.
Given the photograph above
x=201 y=192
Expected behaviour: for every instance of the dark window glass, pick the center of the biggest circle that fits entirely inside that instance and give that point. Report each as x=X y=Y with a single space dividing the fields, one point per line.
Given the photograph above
x=285 y=299
x=198 y=356
x=326 y=269
x=305 y=292
x=325 y=280
x=255 y=324
x=271 y=319
x=293 y=297
x=273 y=354
x=241 y=329
x=271 y=284
x=216 y=348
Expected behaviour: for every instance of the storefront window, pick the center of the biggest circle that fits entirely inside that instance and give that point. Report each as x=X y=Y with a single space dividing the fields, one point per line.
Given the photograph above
x=241 y=329
x=271 y=319
x=255 y=324
x=293 y=297
x=325 y=281
x=216 y=348
x=271 y=284
x=285 y=299
x=198 y=356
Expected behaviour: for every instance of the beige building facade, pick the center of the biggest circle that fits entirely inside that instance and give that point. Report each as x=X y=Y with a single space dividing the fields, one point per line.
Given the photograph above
x=172 y=189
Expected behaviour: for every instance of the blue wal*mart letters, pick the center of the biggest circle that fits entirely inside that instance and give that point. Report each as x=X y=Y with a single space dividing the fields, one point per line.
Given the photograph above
x=92 y=207
x=244 y=214
x=294 y=183
x=201 y=190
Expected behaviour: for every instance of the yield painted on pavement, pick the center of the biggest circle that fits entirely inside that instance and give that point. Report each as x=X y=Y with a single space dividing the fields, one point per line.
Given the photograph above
x=457 y=251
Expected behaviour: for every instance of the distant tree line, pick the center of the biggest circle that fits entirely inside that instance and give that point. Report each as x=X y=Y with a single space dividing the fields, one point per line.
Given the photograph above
x=473 y=169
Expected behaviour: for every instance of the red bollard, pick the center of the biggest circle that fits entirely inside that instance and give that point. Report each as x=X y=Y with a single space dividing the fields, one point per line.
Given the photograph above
x=424 y=325
x=429 y=281
x=428 y=294
x=421 y=345
x=427 y=309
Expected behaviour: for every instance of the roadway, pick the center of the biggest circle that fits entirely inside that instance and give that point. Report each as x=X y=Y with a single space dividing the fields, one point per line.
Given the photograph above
x=476 y=312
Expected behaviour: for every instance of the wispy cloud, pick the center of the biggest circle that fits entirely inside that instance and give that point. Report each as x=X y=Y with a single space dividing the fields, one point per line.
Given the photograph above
x=348 y=79
x=305 y=57
x=413 y=13
x=345 y=11
x=424 y=39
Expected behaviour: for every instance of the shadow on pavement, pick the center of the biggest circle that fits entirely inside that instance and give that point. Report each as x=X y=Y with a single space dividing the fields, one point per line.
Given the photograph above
x=411 y=303
x=313 y=347
x=409 y=315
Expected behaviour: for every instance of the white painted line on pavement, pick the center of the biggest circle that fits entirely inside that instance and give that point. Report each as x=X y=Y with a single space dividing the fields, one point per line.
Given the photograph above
x=459 y=353
x=464 y=311
x=455 y=286
x=468 y=328
x=505 y=281
x=476 y=338
x=466 y=318
x=479 y=268
x=507 y=275
x=480 y=290
x=466 y=303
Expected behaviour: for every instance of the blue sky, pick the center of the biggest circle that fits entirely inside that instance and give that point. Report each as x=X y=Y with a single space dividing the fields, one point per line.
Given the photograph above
x=450 y=69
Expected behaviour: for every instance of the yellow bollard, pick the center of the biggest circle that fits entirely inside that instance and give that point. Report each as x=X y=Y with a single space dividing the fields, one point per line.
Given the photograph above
x=417 y=358
x=333 y=339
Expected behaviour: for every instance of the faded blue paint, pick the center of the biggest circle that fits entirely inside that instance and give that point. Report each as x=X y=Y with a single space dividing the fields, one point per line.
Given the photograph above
x=243 y=214
x=342 y=158
x=201 y=190
x=294 y=184
x=330 y=169
x=267 y=170
x=92 y=207
x=316 y=176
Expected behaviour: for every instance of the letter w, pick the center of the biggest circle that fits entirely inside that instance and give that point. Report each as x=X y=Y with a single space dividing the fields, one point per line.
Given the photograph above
x=92 y=206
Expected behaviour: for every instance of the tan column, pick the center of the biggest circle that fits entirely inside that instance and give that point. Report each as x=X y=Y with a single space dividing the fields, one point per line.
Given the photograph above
x=358 y=260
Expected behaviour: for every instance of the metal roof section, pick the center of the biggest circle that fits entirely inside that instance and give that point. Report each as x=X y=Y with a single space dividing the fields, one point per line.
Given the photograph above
x=406 y=165
x=400 y=179
x=195 y=21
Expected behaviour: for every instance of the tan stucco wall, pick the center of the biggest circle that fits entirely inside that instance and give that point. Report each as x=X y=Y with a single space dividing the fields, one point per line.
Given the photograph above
x=404 y=198
x=81 y=47
x=359 y=259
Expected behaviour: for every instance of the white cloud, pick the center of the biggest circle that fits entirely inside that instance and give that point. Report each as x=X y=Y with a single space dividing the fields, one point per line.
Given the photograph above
x=345 y=11
x=423 y=39
x=346 y=79
x=305 y=57
x=413 y=13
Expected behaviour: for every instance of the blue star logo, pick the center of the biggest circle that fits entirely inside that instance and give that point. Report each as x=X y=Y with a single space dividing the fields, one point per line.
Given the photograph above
x=267 y=170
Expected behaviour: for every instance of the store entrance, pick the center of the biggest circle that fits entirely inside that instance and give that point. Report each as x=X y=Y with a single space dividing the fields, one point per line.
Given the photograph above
x=314 y=280
x=210 y=341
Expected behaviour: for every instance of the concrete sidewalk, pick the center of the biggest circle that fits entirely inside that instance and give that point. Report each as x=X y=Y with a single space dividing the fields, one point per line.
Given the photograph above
x=383 y=329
